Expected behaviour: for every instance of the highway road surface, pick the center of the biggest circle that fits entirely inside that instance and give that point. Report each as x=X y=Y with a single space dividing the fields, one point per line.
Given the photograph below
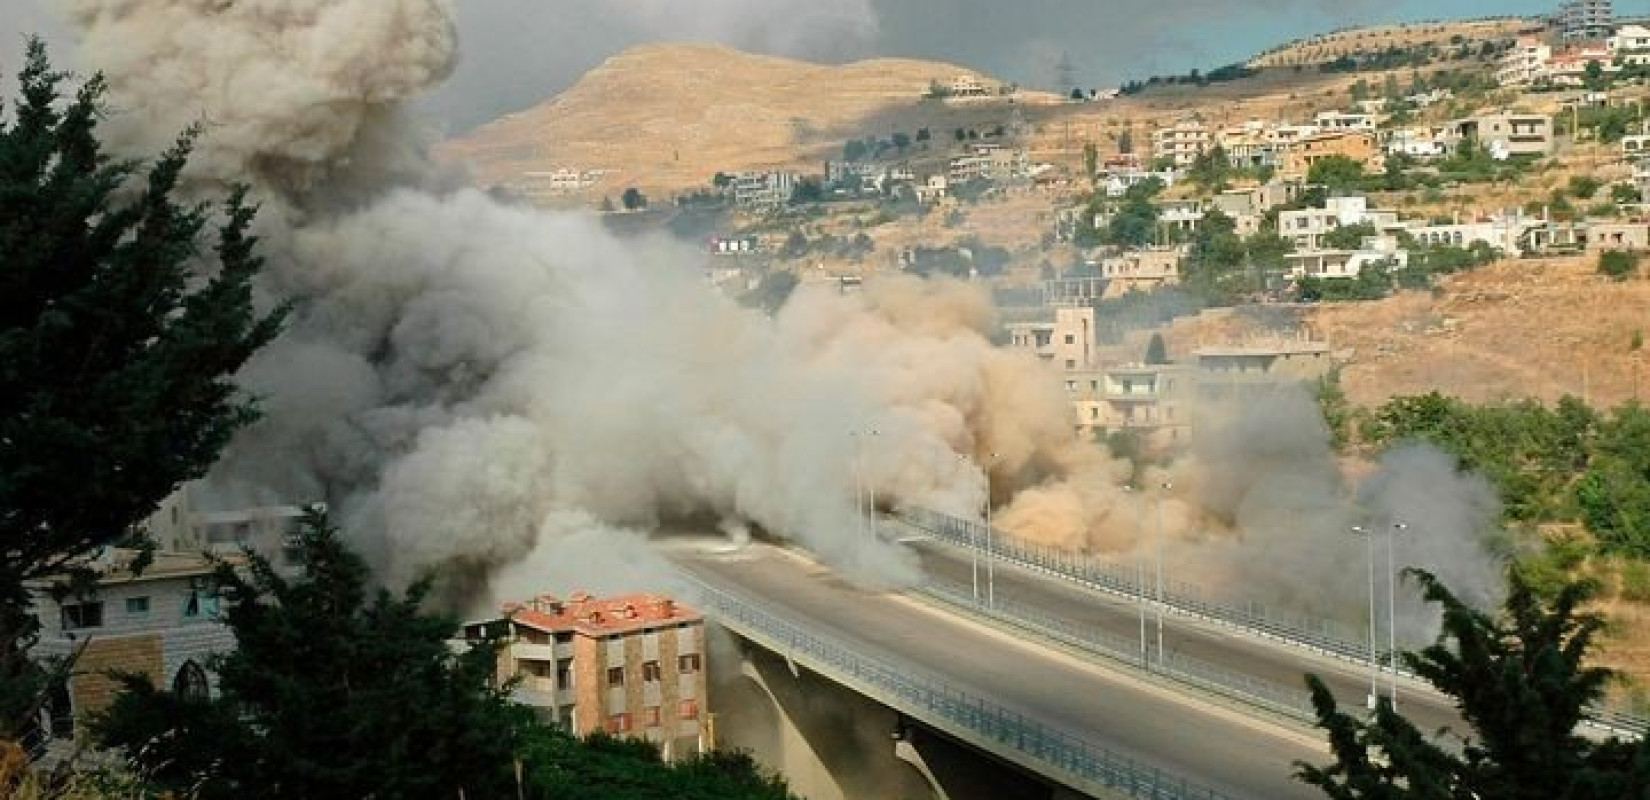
x=1228 y=750
x=1260 y=658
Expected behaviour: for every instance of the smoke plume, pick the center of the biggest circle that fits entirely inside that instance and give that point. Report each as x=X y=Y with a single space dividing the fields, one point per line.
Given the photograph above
x=484 y=390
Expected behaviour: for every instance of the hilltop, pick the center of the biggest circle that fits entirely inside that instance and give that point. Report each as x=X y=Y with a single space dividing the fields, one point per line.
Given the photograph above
x=1368 y=40
x=667 y=116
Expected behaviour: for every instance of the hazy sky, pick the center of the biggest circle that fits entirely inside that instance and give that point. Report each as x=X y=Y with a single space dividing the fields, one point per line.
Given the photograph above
x=519 y=52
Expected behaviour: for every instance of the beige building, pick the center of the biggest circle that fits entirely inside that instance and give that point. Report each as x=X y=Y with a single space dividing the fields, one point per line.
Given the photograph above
x=992 y=162
x=1066 y=341
x=1142 y=270
x=1507 y=134
x=1147 y=398
x=632 y=665
x=1225 y=371
x=1360 y=146
x=1181 y=142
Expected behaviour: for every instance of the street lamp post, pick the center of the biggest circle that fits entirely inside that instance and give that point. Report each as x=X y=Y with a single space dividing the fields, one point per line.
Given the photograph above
x=1369 y=551
x=1160 y=653
x=1392 y=612
x=990 y=539
x=974 y=539
x=1140 y=567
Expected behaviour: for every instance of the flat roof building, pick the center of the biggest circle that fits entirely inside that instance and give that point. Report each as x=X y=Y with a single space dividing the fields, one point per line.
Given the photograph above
x=631 y=665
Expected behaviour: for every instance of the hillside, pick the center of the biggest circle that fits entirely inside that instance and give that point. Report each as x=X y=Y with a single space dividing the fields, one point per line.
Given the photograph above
x=1515 y=329
x=669 y=116
x=1327 y=47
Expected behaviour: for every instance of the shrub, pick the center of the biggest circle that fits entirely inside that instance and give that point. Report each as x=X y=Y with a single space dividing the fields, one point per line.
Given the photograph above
x=1618 y=264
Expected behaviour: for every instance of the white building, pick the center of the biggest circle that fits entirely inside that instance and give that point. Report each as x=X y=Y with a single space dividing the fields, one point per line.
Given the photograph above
x=1119 y=182
x=1502 y=232
x=1376 y=252
x=1305 y=227
x=1420 y=143
x=1525 y=63
x=1586 y=19
x=1630 y=44
x=764 y=189
x=1343 y=121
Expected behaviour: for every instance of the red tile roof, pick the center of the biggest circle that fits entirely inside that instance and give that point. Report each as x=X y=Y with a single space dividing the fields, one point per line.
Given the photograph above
x=597 y=617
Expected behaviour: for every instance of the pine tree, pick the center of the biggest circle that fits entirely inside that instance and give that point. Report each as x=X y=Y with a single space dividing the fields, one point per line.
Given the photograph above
x=114 y=364
x=1519 y=681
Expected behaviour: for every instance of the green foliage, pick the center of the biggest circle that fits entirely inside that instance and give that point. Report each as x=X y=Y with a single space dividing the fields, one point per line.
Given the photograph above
x=1211 y=170
x=1336 y=409
x=332 y=690
x=1618 y=264
x=854 y=150
x=1625 y=194
x=117 y=361
x=1584 y=186
x=1156 y=351
x=1371 y=283
x=1521 y=684
x=1347 y=237
x=807 y=190
x=633 y=199
x=1614 y=492
x=1336 y=173
x=1134 y=223
x=559 y=767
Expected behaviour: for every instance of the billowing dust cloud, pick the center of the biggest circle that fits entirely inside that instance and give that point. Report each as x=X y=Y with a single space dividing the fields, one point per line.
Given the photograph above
x=475 y=385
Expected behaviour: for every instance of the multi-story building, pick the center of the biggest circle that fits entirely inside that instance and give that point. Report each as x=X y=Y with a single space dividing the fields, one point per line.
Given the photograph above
x=1343 y=121
x=1142 y=270
x=1505 y=134
x=1380 y=251
x=1420 y=143
x=161 y=622
x=764 y=189
x=1147 y=398
x=1065 y=341
x=1630 y=44
x=1586 y=19
x=1525 y=63
x=1229 y=370
x=1306 y=226
x=632 y=665
x=1359 y=146
x=992 y=162
x=1569 y=67
x=1500 y=231
x=1182 y=142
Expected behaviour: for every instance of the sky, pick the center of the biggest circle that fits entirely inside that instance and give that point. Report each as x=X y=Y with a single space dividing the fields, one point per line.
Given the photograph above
x=517 y=53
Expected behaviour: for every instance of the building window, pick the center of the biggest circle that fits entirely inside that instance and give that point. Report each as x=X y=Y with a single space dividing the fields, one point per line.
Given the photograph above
x=1071 y=363
x=200 y=603
x=564 y=637
x=650 y=670
x=137 y=605
x=1070 y=339
x=190 y=683
x=618 y=723
x=615 y=677
x=650 y=717
x=688 y=709
x=82 y=615
x=688 y=663
x=564 y=673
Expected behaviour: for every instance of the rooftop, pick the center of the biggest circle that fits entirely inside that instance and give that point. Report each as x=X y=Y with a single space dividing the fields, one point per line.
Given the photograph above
x=598 y=617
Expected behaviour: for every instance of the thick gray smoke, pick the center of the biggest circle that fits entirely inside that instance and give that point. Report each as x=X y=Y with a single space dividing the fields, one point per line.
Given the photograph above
x=1263 y=512
x=500 y=393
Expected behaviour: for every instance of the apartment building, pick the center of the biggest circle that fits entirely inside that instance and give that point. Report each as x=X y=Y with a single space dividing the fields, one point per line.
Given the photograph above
x=1585 y=19
x=1182 y=142
x=1343 y=121
x=1306 y=226
x=1143 y=270
x=1238 y=369
x=1360 y=146
x=1630 y=44
x=161 y=622
x=992 y=162
x=764 y=190
x=631 y=665
x=1146 y=398
x=1506 y=134
x=1066 y=340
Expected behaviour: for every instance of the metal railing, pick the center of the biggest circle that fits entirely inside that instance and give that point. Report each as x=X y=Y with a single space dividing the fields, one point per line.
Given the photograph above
x=1320 y=635
x=1130 y=651
x=922 y=696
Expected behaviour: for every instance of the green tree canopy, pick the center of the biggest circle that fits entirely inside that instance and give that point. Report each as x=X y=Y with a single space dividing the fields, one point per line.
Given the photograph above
x=1520 y=681
x=1336 y=173
x=115 y=362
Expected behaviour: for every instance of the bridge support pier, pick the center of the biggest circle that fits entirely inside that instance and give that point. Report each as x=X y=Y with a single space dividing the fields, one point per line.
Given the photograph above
x=954 y=772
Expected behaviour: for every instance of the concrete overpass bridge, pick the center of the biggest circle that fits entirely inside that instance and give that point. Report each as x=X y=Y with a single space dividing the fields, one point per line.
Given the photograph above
x=1052 y=689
